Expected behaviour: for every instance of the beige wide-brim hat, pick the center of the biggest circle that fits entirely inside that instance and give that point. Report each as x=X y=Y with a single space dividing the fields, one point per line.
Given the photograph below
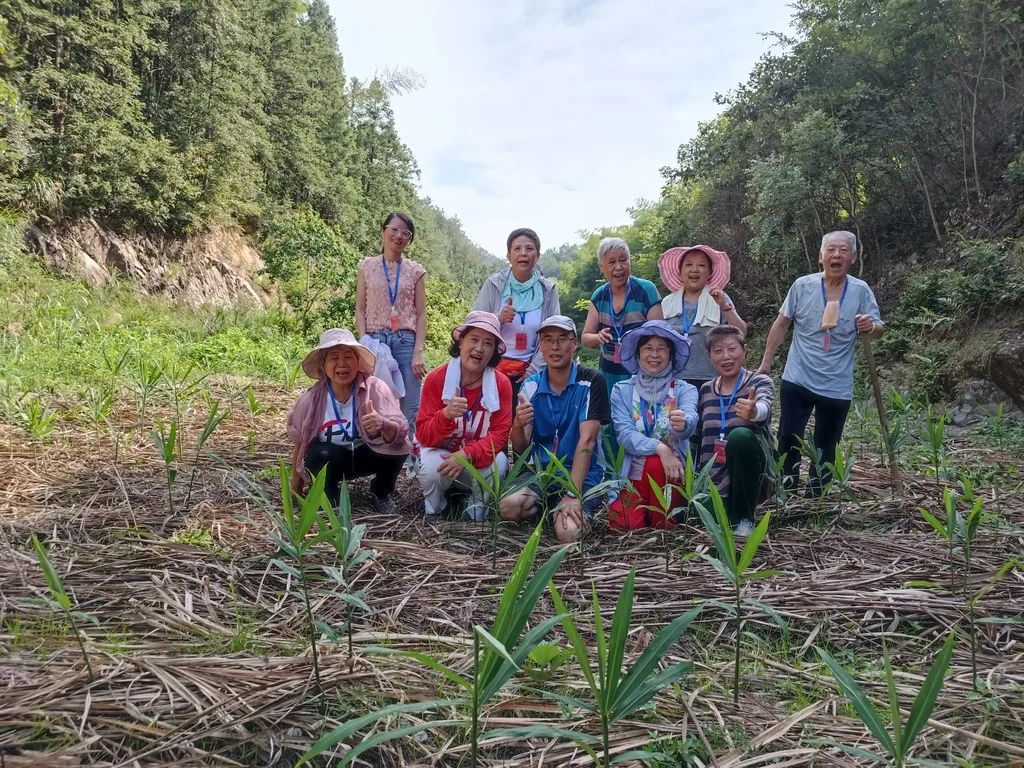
x=312 y=365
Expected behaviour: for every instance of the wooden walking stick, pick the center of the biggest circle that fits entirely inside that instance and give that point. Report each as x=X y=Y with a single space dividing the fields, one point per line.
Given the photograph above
x=883 y=418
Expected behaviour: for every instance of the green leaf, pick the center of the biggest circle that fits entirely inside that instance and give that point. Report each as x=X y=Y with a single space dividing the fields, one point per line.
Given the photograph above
x=397 y=733
x=721 y=567
x=575 y=640
x=764 y=573
x=864 y=708
x=925 y=700
x=53 y=581
x=935 y=523
x=503 y=671
x=753 y=542
x=639 y=754
x=494 y=644
x=894 y=702
x=621 y=620
x=426 y=660
x=543 y=731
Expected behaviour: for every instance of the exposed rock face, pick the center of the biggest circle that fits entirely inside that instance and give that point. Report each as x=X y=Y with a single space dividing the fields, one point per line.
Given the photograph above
x=215 y=267
x=1006 y=367
x=980 y=400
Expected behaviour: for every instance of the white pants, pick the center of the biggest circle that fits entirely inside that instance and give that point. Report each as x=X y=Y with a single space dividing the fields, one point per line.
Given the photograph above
x=434 y=484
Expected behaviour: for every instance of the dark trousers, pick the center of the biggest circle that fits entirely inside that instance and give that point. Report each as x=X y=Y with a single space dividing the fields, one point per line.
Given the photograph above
x=829 y=419
x=745 y=462
x=343 y=463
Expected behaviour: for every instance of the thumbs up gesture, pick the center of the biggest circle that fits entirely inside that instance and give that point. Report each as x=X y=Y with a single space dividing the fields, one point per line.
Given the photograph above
x=746 y=407
x=524 y=412
x=372 y=423
x=508 y=312
x=677 y=419
x=457 y=406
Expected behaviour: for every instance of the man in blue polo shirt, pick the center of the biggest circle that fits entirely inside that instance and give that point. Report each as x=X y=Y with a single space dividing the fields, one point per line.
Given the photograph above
x=561 y=409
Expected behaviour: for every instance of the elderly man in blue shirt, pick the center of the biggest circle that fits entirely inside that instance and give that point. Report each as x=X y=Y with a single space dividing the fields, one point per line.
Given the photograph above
x=827 y=311
x=560 y=412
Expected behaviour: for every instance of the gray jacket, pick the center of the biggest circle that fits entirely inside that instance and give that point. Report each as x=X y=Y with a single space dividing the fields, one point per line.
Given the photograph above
x=489 y=299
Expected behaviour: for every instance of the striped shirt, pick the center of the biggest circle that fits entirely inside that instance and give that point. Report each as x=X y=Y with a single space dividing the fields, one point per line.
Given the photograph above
x=709 y=411
x=641 y=296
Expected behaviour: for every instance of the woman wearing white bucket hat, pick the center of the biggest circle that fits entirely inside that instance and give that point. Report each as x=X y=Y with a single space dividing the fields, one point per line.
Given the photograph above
x=348 y=422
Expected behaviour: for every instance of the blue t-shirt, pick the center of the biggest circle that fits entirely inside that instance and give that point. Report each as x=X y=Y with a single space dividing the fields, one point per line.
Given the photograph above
x=641 y=297
x=829 y=374
x=584 y=398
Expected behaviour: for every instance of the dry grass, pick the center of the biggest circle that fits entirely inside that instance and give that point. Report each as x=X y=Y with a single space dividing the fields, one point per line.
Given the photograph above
x=201 y=660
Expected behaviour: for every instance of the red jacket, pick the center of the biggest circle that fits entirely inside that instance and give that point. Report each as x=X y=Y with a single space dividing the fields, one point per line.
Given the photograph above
x=435 y=430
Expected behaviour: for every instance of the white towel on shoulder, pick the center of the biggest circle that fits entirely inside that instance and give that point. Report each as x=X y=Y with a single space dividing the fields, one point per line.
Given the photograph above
x=453 y=378
x=708 y=312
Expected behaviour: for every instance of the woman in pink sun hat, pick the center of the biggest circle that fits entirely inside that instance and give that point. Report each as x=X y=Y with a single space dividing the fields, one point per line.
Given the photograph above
x=697 y=276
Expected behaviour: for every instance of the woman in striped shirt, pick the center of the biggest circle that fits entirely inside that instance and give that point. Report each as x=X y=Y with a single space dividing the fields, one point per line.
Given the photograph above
x=735 y=410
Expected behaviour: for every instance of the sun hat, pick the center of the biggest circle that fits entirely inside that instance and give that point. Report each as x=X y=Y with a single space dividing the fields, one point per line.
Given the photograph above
x=661 y=328
x=485 y=321
x=561 y=322
x=671 y=261
x=337 y=337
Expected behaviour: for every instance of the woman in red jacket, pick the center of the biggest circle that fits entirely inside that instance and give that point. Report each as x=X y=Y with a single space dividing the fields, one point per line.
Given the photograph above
x=465 y=413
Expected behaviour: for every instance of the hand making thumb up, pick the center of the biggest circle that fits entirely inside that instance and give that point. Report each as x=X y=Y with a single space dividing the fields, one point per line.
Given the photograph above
x=457 y=406
x=746 y=407
x=524 y=411
x=508 y=312
x=372 y=422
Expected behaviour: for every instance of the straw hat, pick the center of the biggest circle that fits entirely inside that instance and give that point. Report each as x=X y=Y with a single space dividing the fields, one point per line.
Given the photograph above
x=671 y=261
x=680 y=346
x=485 y=321
x=337 y=337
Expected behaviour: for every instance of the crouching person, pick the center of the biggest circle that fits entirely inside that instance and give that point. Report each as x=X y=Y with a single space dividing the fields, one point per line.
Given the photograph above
x=654 y=413
x=561 y=409
x=465 y=413
x=348 y=422
x=735 y=411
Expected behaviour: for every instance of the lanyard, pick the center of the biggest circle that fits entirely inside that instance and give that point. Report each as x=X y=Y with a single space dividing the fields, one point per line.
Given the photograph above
x=688 y=321
x=392 y=295
x=337 y=412
x=824 y=296
x=522 y=316
x=619 y=328
x=724 y=407
x=468 y=417
x=655 y=412
x=557 y=414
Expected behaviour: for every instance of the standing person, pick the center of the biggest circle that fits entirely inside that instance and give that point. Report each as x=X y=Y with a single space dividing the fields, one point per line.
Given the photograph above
x=827 y=311
x=697 y=276
x=654 y=413
x=521 y=298
x=349 y=421
x=624 y=302
x=391 y=305
x=735 y=411
x=466 y=413
x=560 y=409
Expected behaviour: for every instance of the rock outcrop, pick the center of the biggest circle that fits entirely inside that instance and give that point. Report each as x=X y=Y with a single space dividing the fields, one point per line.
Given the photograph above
x=1006 y=367
x=215 y=268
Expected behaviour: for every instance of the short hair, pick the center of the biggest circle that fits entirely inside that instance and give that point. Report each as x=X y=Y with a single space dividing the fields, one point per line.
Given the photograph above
x=611 y=244
x=522 y=232
x=719 y=332
x=850 y=237
x=405 y=218
x=453 y=351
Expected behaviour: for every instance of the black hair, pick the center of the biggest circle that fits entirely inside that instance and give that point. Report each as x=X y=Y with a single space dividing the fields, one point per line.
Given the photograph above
x=671 y=347
x=453 y=351
x=522 y=232
x=723 y=332
x=702 y=252
x=405 y=219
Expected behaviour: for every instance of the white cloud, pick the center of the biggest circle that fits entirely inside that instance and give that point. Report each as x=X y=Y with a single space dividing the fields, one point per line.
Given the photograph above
x=553 y=115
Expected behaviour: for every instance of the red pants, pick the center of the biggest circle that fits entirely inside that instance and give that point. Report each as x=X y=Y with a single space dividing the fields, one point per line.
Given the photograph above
x=638 y=507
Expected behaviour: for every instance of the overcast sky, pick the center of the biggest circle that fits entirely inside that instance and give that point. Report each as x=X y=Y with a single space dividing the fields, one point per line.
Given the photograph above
x=552 y=115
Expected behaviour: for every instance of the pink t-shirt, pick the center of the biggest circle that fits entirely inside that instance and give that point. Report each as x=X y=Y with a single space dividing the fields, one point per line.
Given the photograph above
x=378 y=303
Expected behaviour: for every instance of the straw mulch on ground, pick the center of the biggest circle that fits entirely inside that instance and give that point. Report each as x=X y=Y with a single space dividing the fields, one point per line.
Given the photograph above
x=201 y=658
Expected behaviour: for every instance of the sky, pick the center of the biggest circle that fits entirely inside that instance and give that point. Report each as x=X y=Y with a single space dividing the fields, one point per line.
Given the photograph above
x=553 y=115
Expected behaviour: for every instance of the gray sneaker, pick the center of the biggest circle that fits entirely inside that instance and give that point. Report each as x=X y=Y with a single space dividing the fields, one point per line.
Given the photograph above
x=744 y=529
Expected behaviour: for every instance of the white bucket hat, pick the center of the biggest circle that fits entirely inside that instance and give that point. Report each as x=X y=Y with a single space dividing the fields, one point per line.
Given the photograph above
x=337 y=337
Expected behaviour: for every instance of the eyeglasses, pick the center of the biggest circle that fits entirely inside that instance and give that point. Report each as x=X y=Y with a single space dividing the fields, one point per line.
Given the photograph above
x=405 y=234
x=557 y=341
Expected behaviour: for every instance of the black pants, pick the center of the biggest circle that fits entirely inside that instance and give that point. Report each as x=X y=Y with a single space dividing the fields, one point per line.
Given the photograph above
x=343 y=463
x=829 y=419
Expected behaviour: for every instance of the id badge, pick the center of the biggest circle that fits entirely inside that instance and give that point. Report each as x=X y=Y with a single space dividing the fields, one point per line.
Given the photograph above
x=394 y=320
x=617 y=353
x=719 y=451
x=521 y=341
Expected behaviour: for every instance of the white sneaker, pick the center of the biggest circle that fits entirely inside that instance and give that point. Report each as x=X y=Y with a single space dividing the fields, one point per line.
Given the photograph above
x=744 y=529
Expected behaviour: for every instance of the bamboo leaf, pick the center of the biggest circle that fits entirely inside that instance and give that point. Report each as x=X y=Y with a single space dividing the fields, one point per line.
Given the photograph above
x=647 y=689
x=721 y=567
x=753 y=542
x=575 y=639
x=937 y=525
x=864 y=708
x=621 y=620
x=53 y=581
x=503 y=670
x=426 y=660
x=494 y=644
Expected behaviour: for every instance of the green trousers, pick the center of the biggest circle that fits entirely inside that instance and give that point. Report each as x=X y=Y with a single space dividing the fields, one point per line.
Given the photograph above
x=745 y=463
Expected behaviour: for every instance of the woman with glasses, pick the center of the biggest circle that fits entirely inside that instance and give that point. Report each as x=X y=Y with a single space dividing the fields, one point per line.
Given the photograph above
x=391 y=305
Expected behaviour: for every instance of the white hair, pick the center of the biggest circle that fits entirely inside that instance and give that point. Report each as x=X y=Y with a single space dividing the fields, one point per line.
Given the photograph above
x=850 y=237
x=611 y=244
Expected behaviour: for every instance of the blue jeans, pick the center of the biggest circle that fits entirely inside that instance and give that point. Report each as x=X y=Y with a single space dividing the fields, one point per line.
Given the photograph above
x=402 y=343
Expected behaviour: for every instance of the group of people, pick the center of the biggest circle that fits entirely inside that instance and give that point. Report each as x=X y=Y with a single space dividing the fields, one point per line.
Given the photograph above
x=672 y=382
